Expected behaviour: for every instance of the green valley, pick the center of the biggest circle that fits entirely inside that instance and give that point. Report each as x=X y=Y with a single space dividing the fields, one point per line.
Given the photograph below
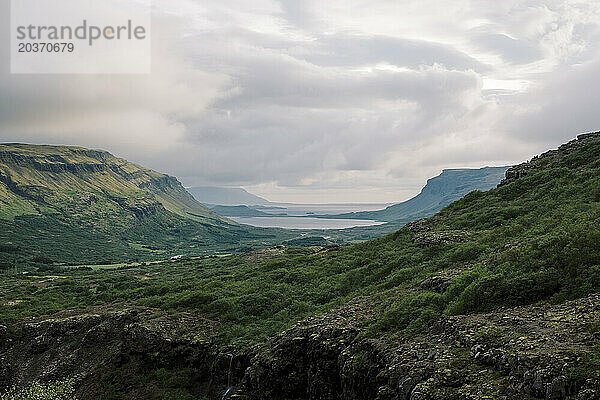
x=493 y=297
x=73 y=205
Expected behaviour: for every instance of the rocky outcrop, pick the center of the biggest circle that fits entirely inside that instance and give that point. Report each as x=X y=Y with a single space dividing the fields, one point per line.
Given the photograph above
x=140 y=208
x=437 y=284
x=78 y=161
x=542 y=349
x=535 y=351
x=319 y=358
x=524 y=169
x=118 y=349
x=424 y=236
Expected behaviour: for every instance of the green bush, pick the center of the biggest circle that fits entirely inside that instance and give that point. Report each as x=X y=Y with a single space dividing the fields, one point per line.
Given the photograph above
x=59 y=390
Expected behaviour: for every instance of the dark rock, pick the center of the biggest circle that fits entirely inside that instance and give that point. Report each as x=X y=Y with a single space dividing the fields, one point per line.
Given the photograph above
x=557 y=389
x=509 y=246
x=405 y=387
x=437 y=284
x=40 y=344
x=590 y=390
x=417 y=226
x=4 y=373
x=428 y=239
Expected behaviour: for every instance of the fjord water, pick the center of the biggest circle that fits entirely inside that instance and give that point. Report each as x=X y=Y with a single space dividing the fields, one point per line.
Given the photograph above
x=304 y=222
x=297 y=210
x=300 y=216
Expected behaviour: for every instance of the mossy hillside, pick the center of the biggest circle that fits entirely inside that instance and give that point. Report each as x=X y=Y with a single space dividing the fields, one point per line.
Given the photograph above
x=530 y=244
x=71 y=179
x=534 y=239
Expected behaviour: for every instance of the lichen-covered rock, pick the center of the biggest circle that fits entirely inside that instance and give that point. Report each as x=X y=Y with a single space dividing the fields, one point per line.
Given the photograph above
x=590 y=390
x=118 y=349
x=514 y=353
x=437 y=284
x=427 y=239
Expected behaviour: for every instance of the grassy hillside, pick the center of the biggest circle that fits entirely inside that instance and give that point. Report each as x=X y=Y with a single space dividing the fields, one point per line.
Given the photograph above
x=74 y=205
x=87 y=183
x=533 y=240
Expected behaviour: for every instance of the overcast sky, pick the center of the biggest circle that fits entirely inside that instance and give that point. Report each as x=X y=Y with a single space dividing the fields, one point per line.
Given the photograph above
x=328 y=101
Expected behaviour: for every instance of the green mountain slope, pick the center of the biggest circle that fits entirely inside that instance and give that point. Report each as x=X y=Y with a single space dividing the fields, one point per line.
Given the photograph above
x=36 y=179
x=225 y=196
x=420 y=313
x=449 y=186
x=70 y=204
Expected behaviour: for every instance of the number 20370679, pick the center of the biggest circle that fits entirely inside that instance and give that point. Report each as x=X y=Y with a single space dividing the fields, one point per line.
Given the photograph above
x=46 y=47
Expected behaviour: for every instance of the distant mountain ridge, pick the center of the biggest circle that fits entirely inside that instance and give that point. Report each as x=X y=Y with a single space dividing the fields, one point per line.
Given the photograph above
x=225 y=196
x=240 y=211
x=440 y=191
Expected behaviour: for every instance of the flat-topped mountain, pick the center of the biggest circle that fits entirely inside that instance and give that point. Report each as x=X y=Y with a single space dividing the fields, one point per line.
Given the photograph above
x=225 y=196
x=449 y=186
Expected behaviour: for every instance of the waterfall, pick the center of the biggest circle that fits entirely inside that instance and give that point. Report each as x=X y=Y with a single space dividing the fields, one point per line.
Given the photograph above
x=229 y=387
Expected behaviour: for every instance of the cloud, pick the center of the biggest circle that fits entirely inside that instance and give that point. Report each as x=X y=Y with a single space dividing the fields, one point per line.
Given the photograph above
x=340 y=101
x=557 y=111
x=509 y=49
x=359 y=50
x=129 y=113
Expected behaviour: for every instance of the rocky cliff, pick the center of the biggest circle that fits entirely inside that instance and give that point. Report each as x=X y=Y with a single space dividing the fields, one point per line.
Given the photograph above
x=536 y=351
